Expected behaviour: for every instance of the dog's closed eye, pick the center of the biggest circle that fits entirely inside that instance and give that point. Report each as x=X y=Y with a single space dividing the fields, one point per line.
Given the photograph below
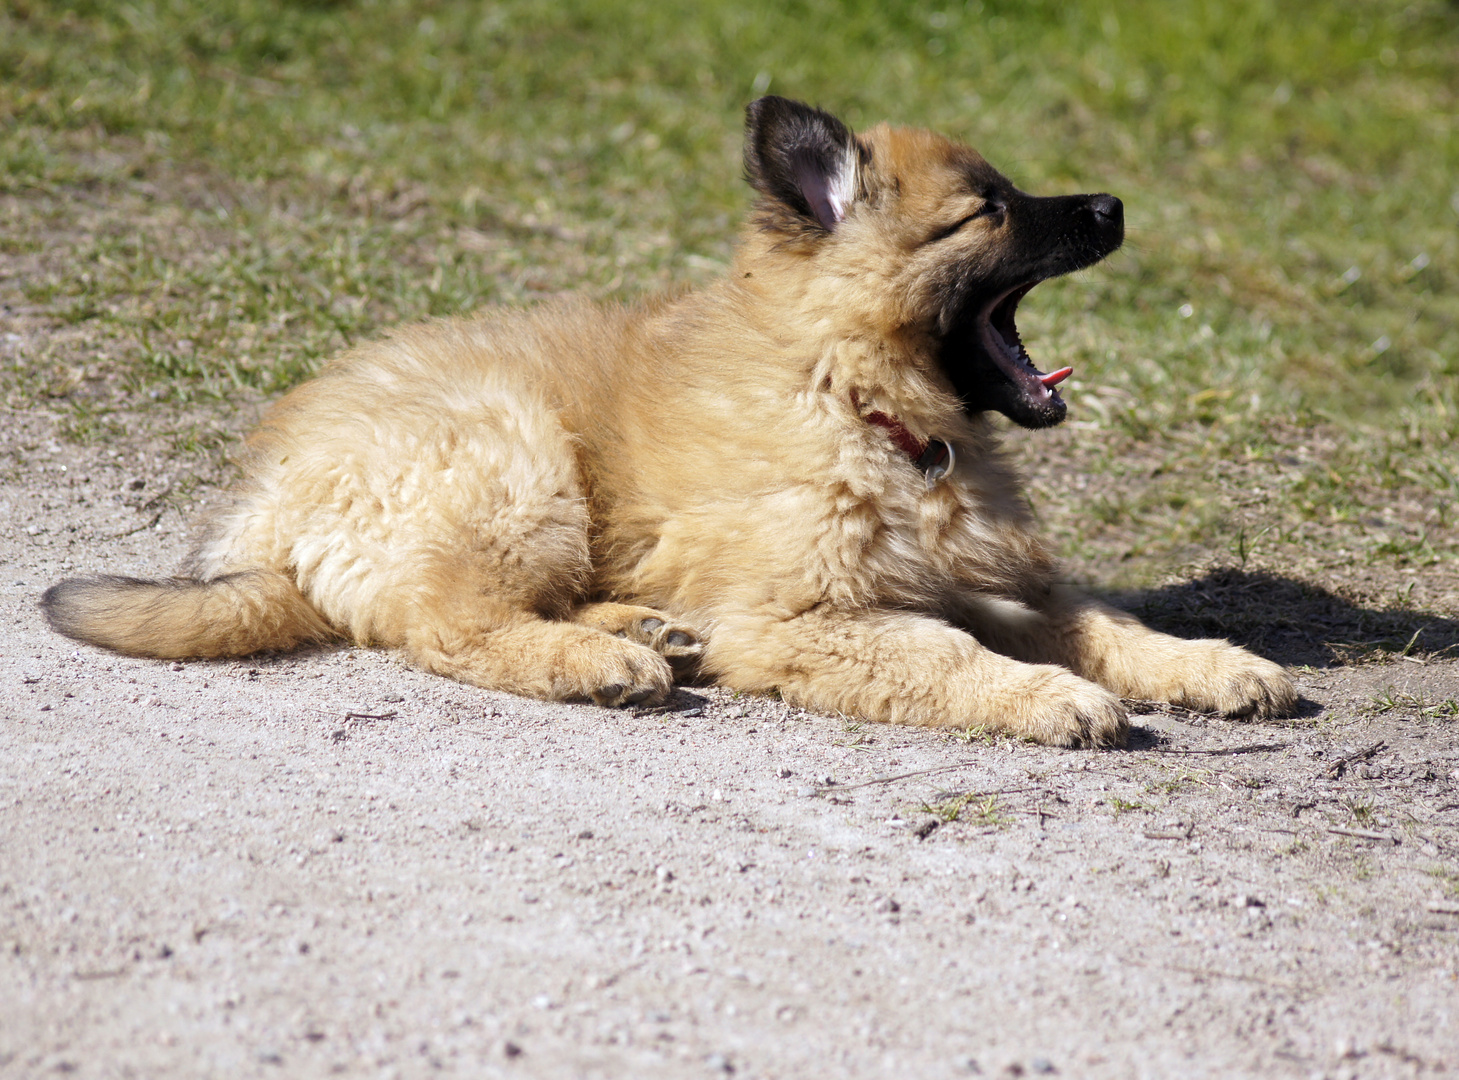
x=993 y=206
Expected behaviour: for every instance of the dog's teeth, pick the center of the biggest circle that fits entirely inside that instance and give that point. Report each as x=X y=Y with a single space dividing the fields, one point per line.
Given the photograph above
x=1054 y=378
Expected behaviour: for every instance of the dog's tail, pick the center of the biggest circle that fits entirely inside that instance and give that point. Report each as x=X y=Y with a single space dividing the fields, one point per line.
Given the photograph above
x=179 y=618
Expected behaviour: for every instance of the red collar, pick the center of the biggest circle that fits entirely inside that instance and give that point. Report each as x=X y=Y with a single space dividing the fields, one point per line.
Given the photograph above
x=933 y=456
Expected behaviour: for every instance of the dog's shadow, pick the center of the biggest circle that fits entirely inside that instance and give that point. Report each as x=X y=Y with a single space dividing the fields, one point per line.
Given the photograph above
x=1292 y=622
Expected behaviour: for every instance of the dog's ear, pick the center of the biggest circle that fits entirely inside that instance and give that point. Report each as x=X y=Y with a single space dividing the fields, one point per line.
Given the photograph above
x=802 y=158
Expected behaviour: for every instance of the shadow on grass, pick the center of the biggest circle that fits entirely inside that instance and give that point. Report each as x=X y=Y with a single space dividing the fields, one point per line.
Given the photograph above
x=1291 y=622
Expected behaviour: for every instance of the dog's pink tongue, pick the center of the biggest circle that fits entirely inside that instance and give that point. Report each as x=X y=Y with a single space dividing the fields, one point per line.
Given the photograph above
x=1054 y=378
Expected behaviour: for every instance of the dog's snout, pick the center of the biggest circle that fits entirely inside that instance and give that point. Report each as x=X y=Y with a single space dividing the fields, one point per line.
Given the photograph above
x=1108 y=209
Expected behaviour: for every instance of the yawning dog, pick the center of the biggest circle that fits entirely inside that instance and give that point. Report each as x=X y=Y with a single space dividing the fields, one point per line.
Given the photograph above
x=787 y=481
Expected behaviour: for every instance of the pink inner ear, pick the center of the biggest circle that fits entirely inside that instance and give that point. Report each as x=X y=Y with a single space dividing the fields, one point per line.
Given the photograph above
x=816 y=187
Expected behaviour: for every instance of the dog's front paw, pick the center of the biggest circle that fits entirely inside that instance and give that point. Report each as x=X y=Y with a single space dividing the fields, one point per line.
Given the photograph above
x=1229 y=680
x=617 y=673
x=1058 y=708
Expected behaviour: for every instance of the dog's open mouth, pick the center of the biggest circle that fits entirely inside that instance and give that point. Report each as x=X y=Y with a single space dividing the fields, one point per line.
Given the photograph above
x=998 y=334
x=990 y=369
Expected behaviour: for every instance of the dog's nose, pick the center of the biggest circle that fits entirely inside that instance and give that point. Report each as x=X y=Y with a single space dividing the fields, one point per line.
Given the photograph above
x=1108 y=209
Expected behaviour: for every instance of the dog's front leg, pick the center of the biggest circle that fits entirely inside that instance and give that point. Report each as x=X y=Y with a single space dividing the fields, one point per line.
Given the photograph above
x=909 y=669
x=1118 y=651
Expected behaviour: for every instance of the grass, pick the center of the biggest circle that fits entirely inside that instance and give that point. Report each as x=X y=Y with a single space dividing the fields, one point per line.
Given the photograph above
x=1411 y=705
x=1180 y=781
x=973 y=807
x=1361 y=811
x=1447 y=878
x=1124 y=806
x=856 y=736
x=204 y=201
x=976 y=733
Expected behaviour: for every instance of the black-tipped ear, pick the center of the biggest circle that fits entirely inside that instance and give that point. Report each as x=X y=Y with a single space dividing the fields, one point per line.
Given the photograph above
x=802 y=158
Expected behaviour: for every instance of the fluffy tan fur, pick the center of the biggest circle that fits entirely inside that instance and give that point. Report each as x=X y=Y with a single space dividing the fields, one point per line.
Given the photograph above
x=570 y=501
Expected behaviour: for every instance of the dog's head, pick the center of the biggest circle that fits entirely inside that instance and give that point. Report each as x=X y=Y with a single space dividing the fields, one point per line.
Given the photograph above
x=940 y=244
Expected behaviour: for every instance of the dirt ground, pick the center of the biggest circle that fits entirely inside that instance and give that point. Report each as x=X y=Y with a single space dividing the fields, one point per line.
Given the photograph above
x=331 y=864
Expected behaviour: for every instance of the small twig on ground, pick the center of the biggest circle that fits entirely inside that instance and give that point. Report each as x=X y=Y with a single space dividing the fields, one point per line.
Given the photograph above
x=1037 y=810
x=1251 y=748
x=893 y=779
x=1189 y=831
x=140 y=528
x=1338 y=767
x=1367 y=834
x=1141 y=707
x=353 y=719
x=1208 y=973
x=116 y=973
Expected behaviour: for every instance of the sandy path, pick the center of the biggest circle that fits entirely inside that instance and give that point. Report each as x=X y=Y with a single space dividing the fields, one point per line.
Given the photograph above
x=330 y=864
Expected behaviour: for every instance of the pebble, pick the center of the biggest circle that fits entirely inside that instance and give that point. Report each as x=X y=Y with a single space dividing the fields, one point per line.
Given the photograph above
x=805 y=792
x=719 y=1063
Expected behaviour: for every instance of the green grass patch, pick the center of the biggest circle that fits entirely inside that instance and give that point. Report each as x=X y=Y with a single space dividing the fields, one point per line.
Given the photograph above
x=206 y=200
x=971 y=807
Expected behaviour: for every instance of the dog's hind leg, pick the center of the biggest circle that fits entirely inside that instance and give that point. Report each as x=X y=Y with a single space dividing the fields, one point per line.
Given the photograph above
x=458 y=535
x=488 y=602
x=541 y=658
x=478 y=581
x=1118 y=651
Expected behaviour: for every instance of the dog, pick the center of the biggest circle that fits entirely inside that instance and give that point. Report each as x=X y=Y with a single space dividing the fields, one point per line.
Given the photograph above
x=789 y=481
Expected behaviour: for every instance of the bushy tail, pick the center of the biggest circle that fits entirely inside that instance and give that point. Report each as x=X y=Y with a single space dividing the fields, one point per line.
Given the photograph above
x=178 y=618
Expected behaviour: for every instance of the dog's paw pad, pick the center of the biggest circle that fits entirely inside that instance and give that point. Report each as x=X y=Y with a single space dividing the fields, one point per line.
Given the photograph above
x=617 y=674
x=678 y=643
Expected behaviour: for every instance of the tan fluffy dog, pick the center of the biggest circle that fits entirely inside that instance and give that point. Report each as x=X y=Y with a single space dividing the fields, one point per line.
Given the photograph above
x=787 y=478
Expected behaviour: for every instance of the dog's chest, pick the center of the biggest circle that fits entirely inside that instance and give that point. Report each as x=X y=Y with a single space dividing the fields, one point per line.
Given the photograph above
x=908 y=542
